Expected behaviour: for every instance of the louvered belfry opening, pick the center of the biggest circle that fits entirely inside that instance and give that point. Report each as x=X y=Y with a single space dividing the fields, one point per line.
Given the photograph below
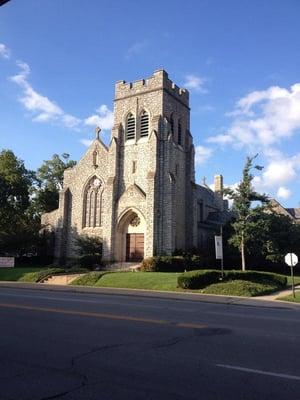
x=130 y=127
x=144 y=124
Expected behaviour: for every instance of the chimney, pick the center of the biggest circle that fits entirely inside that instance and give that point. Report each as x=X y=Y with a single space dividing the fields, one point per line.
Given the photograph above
x=218 y=181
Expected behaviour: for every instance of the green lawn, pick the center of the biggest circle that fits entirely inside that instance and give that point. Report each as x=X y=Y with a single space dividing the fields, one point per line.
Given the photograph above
x=143 y=280
x=296 y=280
x=291 y=298
x=168 y=281
x=34 y=274
x=17 y=274
x=140 y=280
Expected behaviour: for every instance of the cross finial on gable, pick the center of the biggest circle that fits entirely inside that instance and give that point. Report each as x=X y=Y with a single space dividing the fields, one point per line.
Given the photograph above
x=98 y=130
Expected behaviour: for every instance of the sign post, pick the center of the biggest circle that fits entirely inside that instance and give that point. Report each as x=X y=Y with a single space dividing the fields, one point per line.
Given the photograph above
x=219 y=250
x=291 y=259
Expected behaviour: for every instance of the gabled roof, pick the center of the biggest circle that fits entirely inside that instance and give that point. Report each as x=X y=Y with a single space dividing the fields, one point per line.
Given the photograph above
x=295 y=212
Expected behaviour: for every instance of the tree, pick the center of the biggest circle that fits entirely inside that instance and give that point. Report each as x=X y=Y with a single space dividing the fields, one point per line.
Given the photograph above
x=277 y=236
x=18 y=228
x=89 y=245
x=245 y=223
x=50 y=182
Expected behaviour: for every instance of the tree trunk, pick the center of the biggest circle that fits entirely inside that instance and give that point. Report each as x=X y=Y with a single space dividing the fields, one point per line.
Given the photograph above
x=243 y=254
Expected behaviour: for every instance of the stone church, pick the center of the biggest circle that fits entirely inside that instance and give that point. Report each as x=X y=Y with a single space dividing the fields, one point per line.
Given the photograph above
x=138 y=194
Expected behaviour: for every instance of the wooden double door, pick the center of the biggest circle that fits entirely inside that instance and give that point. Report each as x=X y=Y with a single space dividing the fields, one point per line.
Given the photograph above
x=134 y=246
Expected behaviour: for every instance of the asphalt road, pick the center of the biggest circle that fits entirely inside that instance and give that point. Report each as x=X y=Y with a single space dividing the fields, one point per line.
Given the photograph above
x=64 y=345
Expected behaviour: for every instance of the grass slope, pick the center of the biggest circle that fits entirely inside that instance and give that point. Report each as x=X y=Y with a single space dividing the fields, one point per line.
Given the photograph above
x=89 y=279
x=140 y=280
x=168 y=281
x=34 y=274
x=17 y=274
x=291 y=298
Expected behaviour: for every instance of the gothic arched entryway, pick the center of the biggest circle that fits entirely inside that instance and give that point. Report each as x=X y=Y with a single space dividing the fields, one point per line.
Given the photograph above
x=131 y=237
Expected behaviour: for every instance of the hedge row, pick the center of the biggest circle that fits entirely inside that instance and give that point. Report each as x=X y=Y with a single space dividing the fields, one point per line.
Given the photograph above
x=198 y=279
x=164 y=264
x=203 y=278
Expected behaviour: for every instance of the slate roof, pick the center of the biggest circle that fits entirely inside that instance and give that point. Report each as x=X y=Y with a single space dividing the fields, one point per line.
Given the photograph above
x=294 y=212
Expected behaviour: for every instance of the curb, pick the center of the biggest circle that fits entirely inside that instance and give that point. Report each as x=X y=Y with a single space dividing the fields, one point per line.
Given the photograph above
x=206 y=298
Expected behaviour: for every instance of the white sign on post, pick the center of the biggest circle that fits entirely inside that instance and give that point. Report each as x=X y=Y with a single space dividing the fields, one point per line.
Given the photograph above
x=291 y=259
x=7 y=262
x=219 y=247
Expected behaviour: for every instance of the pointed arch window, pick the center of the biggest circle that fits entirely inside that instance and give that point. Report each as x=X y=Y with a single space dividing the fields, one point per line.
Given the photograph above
x=130 y=127
x=92 y=203
x=144 y=124
x=179 y=132
x=172 y=124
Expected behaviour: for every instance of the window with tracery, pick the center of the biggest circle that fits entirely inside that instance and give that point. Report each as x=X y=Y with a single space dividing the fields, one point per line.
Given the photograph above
x=92 y=203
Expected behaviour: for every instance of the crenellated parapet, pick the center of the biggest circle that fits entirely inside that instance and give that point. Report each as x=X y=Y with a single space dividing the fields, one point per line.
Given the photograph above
x=158 y=81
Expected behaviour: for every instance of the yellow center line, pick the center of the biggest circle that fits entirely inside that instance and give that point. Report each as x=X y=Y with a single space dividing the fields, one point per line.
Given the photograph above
x=102 y=315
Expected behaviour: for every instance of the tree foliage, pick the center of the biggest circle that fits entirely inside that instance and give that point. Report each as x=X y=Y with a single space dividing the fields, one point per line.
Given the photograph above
x=18 y=228
x=50 y=181
x=246 y=223
x=277 y=235
x=89 y=245
x=24 y=195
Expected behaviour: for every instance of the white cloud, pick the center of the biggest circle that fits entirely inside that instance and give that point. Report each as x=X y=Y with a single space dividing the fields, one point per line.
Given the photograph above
x=70 y=121
x=284 y=193
x=104 y=118
x=221 y=139
x=196 y=83
x=4 y=51
x=42 y=108
x=135 y=49
x=263 y=118
x=86 y=142
x=278 y=172
x=202 y=154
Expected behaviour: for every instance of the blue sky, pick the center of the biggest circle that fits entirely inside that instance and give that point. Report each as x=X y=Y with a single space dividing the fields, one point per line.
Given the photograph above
x=239 y=59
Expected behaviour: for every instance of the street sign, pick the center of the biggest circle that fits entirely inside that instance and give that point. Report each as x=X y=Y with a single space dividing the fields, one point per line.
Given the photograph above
x=291 y=259
x=219 y=247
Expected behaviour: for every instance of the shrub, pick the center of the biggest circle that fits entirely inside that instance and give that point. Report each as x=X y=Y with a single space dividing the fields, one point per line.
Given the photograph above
x=90 y=261
x=240 y=288
x=89 y=279
x=89 y=245
x=257 y=276
x=198 y=279
x=164 y=264
x=202 y=278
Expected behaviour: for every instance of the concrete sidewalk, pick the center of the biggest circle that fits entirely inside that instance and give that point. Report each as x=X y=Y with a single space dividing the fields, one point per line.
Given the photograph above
x=280 y=293
x=142 y=293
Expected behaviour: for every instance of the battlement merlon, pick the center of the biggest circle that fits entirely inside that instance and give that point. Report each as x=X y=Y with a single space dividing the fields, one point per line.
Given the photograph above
x=158 y=81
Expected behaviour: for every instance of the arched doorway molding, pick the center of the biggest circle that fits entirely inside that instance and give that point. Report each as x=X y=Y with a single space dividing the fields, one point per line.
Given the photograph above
x=131 y=235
